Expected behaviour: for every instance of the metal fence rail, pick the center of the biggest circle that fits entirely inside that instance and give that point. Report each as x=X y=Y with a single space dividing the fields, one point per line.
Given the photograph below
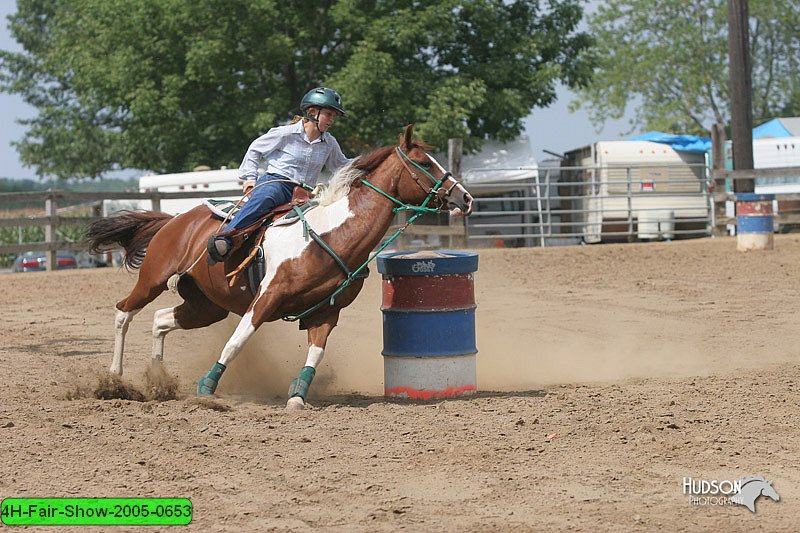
x=563 y=205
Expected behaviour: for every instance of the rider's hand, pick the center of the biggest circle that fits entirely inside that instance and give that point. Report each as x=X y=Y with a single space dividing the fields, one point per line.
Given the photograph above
x=248 y=185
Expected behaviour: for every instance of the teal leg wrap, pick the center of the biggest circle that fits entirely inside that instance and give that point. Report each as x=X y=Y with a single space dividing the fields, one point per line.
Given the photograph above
x=208 y=383
x=299 y=386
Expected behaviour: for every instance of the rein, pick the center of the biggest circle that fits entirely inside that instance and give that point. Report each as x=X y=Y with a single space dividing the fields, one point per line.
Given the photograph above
x=402 y=206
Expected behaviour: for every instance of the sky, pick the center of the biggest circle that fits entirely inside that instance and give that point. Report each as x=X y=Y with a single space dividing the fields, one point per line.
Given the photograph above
x=553 y=128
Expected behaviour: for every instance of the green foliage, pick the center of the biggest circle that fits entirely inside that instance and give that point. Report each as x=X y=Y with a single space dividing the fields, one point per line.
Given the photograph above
x=165 y=85
x=669 y=59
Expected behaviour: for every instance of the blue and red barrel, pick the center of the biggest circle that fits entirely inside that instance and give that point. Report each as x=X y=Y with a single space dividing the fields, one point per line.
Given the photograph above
x=754 y=222
x=428 y=307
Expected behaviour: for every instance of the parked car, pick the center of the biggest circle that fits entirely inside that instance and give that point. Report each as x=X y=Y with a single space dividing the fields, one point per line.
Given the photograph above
x=36 y=261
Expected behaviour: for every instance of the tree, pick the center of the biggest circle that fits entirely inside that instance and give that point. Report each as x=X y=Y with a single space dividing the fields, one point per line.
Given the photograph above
x=166 y=85
x=669 y=59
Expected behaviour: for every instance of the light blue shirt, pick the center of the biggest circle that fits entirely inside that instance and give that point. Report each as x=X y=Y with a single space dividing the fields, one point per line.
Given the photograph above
x=289 y=153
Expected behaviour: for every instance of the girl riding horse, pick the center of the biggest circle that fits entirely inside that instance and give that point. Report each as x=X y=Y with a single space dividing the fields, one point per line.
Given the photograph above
x=294 y=155
x=304 y=277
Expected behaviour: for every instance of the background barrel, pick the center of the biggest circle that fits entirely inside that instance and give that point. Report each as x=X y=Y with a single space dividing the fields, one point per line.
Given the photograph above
x=428 y=307
x=754 y=222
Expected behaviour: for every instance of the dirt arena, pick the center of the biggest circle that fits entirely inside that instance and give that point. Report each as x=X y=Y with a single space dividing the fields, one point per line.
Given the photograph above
x=607 y=375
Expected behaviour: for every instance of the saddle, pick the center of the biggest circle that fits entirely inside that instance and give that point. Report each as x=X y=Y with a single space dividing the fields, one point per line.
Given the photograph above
x=300 y=197
x=253 y=234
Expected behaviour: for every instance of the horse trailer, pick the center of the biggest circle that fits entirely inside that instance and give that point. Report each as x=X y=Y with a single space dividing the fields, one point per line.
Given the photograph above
x=503 y=178
x=224 y=179
x=621 y=190
x=200 y=180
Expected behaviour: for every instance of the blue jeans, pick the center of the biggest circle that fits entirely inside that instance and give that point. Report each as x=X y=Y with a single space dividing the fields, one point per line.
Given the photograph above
x=264 y=199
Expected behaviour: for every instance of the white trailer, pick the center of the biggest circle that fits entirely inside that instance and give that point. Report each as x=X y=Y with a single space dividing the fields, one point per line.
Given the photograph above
x=224 y=179
x=777 y=153
x=504 y=180
x=617 y=185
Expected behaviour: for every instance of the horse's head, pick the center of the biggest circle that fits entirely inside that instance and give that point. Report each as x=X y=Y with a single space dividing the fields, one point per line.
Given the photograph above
x=424 y=176
x=769 y=491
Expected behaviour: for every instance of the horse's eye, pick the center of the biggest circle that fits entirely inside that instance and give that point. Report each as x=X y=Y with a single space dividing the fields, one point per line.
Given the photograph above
x=425 y=164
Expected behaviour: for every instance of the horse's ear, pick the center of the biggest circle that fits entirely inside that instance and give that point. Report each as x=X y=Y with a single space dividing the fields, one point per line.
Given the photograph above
x=409 y=133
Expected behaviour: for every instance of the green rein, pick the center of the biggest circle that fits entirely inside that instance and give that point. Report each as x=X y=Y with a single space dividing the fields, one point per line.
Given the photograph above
x=359 y=272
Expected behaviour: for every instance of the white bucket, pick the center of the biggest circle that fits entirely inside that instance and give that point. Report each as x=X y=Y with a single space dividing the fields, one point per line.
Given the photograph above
x=656 y=224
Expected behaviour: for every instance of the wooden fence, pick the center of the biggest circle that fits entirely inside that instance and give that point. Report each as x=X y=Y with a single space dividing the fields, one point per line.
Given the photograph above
x=455 y=233
x=52 y=220
x=789 y=203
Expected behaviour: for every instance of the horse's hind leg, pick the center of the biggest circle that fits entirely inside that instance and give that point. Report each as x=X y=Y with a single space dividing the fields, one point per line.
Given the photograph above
x=121 y=322
x=145 y=291
x=196 y=311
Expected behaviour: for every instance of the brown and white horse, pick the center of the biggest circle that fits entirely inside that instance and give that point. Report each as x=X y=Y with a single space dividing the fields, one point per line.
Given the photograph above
x=355 y=212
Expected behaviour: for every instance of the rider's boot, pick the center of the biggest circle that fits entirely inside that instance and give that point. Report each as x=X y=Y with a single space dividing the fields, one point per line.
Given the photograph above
x=218 y=249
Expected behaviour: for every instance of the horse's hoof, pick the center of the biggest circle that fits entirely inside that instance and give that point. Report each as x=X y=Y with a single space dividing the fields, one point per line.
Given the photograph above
x=295 y=403
x=114 y=370
x=206 y=387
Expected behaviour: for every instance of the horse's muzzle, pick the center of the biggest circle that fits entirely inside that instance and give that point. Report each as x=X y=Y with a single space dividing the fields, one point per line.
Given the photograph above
x=459 y=201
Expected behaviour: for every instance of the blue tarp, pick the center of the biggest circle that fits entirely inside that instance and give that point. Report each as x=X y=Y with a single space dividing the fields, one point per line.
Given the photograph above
x=681 y=143
x=772 y=128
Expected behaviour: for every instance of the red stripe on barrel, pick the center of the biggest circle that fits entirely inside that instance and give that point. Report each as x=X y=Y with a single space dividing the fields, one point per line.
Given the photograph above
x=428 y=292
x=418 y=394
x=754 y=208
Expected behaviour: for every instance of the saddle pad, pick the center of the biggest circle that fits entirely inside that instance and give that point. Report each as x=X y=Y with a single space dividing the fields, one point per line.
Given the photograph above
x=291 y=217
x=223 y=208
x=227 y=209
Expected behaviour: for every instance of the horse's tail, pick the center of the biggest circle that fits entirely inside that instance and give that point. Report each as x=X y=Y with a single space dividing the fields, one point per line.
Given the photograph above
x=131 y=230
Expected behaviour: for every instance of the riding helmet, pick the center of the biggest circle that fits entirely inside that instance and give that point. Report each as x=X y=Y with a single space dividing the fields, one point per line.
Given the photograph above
x=322 y=97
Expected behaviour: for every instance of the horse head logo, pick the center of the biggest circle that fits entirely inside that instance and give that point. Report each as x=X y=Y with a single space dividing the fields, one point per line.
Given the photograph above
x=752 y=488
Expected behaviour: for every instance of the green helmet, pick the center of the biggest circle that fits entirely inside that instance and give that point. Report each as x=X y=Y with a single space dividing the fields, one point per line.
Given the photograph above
x=322 y=97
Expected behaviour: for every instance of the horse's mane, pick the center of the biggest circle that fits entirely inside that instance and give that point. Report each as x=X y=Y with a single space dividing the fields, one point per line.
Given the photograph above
x=340 y=183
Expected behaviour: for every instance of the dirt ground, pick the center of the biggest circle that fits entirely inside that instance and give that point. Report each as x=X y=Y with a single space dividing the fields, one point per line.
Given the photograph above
x=608 y=374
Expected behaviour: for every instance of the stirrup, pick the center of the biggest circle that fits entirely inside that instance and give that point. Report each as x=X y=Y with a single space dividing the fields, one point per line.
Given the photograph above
x=218 y=249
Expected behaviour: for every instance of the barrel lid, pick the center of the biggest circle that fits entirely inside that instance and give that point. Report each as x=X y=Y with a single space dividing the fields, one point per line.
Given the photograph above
x=754 y=197
x=427 y=263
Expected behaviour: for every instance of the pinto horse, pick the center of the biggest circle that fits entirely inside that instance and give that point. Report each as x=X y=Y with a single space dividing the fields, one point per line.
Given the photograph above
x=353 y=214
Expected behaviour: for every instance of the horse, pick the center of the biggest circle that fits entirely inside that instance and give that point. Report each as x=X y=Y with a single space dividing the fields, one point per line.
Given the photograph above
x=302 y=278
x=751 y=488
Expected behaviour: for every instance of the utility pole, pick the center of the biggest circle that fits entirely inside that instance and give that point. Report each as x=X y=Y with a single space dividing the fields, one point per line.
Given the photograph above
x=741 y=88
x=754 y=218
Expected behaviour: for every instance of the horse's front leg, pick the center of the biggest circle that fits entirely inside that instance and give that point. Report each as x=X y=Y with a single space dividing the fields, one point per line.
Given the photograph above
x=247 y=326
x=318 y=333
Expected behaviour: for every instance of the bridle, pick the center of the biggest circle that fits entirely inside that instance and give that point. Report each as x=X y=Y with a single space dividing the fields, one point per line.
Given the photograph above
x=436 y=189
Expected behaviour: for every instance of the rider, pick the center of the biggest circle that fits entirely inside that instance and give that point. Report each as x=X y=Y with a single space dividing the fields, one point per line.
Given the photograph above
x=294 y=154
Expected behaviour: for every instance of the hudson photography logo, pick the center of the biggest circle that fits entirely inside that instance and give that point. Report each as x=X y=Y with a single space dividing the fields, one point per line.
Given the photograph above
x=744 y=491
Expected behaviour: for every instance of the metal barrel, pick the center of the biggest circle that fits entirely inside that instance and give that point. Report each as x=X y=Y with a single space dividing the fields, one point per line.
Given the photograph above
x=754 y=222
x=428 y=307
